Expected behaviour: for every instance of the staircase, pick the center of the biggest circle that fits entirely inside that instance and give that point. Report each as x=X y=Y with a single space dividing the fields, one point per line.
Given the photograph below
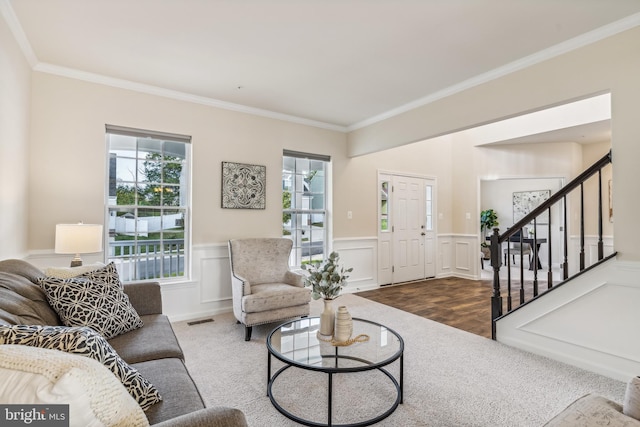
x=513 y=292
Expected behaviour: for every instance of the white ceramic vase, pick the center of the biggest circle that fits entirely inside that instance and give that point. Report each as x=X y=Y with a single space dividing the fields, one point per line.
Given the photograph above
x=327 y=318
x=343 y=325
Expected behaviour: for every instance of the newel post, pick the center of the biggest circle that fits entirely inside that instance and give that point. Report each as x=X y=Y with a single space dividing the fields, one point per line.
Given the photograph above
x=496 y=298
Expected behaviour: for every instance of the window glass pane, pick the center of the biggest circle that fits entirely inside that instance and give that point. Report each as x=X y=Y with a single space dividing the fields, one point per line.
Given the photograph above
x=174 y=151
x=125 y=194
x=302 y=166
x=149 y=170
x=125 y=169
x=384 y=206
x=316 y=201
x=172 y=173
x=288 y=165
x=315 y=183
x=317 y=165
x=171 y=195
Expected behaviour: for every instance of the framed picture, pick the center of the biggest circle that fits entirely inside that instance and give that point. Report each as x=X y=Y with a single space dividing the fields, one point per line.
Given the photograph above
x=243 y=186
x=526 y=201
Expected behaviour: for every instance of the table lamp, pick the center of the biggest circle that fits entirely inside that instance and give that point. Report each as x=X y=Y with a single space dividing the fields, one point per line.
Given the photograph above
x=78 y=239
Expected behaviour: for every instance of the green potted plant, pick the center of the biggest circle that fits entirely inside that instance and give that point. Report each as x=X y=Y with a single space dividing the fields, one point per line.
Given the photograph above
x=488 y=220
x=326 y=281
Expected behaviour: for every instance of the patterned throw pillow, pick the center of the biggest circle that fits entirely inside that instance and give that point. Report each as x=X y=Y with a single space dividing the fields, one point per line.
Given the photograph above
x=95 y=299
x=86 y=342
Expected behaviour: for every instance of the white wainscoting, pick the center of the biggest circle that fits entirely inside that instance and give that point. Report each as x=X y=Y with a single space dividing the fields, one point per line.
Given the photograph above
x=459 y=255
x=361 y=254
x=590 y=251
x=590 y=322
x=209 y=290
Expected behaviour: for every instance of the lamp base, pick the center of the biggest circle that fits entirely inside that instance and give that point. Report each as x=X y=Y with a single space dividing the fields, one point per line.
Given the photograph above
x=76 y=261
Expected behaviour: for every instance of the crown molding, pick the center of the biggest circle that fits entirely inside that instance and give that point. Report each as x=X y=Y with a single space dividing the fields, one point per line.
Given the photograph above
x=177 y=95
x=585 y=39
x=18 y=33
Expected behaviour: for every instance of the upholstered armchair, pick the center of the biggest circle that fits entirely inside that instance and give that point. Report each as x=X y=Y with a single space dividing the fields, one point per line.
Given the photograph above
x=264 y=289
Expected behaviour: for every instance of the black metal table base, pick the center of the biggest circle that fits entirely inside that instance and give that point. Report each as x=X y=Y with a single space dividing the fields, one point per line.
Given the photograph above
x=398 y=385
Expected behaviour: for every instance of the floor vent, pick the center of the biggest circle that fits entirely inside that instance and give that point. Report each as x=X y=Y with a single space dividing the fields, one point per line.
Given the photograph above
x=197 y=322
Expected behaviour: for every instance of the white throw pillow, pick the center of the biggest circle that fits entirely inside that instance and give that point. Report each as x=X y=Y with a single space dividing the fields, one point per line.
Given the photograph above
x=68 y=272
x=32 y=375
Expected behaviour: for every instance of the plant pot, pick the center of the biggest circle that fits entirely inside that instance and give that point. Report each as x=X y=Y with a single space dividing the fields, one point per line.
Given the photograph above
x=486 y=251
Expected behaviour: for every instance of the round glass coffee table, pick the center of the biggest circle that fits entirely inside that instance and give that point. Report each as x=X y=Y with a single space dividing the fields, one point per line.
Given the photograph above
x=297 y=345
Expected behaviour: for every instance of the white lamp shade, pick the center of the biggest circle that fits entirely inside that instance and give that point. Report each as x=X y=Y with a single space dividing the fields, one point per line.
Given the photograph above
x=78 y=238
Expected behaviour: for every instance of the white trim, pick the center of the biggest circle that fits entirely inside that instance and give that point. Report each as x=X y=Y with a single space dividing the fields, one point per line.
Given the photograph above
x=16 y=29
x=177 y=95
x=580 y=325
x=520 y=64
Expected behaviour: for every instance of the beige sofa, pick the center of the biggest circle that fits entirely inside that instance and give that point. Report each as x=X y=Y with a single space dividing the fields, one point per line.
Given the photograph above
x=153 y=350
x=594 y=411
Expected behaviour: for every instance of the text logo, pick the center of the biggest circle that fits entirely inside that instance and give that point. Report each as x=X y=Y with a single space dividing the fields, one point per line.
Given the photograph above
x=34 y=415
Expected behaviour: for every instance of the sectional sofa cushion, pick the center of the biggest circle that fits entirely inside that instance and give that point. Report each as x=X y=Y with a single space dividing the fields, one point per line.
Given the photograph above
x=179 y=393
x=47 y=377
x=85 y=342
x=95 y=299
x=155 y=341
x=21 y=300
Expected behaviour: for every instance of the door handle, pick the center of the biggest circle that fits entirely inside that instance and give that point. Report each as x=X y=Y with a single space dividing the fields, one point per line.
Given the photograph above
x=423 y=234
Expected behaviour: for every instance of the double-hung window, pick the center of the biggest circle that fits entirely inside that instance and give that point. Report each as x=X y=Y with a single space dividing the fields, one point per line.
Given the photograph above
x=148 y=205
x=304 y=205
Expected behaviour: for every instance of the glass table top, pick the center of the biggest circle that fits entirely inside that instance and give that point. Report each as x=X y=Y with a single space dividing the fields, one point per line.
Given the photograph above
x=298 y=343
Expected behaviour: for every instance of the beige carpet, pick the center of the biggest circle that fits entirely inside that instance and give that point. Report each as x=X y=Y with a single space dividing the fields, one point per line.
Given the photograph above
x=452 y=378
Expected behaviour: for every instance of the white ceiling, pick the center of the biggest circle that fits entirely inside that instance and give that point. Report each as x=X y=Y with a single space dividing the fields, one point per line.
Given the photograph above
x=335 y=64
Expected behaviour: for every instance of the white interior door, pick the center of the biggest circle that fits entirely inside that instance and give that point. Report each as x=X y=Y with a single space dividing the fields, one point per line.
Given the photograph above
x=408 y=206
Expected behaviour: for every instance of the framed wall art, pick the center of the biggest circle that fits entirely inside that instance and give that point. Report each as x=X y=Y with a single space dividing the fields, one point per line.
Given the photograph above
x=526 y=201
x=243 y=186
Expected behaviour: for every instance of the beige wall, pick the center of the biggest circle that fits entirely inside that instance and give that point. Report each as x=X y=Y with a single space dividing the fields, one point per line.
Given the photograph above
x=356 y=186
x=612 y=65
x=15 y=89
x=591 y=153
x=68 y=156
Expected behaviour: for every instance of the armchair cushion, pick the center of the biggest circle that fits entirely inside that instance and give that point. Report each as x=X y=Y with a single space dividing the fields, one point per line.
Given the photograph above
x=271 y=296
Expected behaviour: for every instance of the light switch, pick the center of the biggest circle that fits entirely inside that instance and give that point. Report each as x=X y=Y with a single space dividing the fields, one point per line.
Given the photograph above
x=468 y=215
x=349 y=215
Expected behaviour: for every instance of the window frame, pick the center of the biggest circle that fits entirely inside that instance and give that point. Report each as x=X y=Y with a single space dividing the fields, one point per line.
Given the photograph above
x=165 y=253
x=297 y=257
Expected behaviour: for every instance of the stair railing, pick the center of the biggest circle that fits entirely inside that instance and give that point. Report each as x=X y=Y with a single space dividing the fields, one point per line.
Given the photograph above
x=497 y=240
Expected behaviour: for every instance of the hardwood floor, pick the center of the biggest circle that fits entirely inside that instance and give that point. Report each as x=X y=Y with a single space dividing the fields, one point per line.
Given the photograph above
x=461 y=303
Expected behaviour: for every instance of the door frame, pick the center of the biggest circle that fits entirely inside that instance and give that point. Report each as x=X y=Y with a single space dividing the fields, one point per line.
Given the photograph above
x=385 y=240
